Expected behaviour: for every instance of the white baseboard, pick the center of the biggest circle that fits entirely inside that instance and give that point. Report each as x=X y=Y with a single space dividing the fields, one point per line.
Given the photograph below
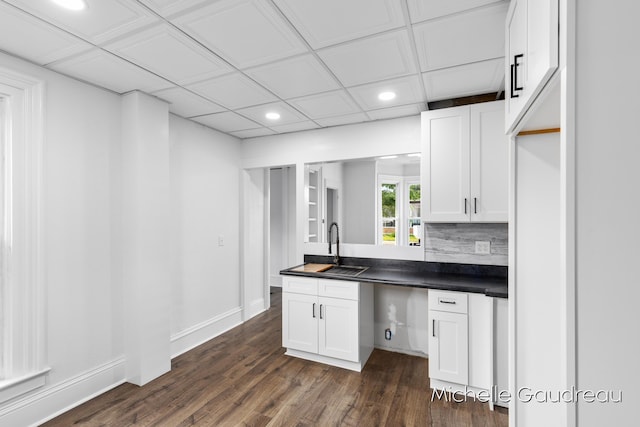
x=51 y=401
x=275 y=280
x=255 y=307
x=401 y=350
x=203 y=332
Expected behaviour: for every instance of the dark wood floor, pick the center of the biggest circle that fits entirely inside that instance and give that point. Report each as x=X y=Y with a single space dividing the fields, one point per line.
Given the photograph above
x=243 y=378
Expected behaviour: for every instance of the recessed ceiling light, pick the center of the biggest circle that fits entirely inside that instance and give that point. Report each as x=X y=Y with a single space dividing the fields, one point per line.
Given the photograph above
x=387 y=157
x=386 y=96
x=71 y=4
x=272 y=116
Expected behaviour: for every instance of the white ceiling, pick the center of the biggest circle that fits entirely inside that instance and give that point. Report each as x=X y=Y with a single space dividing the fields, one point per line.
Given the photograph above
x=226 y=63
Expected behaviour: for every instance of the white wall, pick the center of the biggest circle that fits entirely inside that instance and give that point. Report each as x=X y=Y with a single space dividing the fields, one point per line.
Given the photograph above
x=537 y=295
x=84 y=329
x=255 y=258
x=205 y=207
x=371 y=139
x=359 y=203
x=83 y=260
x=404 y=311
x=607 y=209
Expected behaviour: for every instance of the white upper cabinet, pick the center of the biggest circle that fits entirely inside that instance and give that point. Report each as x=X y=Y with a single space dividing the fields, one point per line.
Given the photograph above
x=445 y=161
x=465 y=164
x=489 y=199
x=531 y=54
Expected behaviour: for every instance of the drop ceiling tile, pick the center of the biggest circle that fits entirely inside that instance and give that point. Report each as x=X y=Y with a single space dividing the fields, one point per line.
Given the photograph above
x=170 y=54
x=343 y=120
x=329 y=104
x=422 y=10
x=376 y=58
x=393 y=112
x=186 y=104
x=298 y=76
x=252 y=133
x=407 y=89
x=226 y=122
x=465 y=80
x=169 y=8
x=233 y=91
x=287 y=114
x=460 y=39
x=109 y=71
x=245 y=32
x=23 y=35
x=295 y=127
x=98 y=23
x=327 y=22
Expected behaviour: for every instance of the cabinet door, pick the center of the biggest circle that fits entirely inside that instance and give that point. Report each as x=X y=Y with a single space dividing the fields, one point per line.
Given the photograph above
x=542 y=43
x=516 y=61
x=448 y=347
x=338 y=329
x=445 y=165
x=300 y=322
x=489 y=201
x=532 y=53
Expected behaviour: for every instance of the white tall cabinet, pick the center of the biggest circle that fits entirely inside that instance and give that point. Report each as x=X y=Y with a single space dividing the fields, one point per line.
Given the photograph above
x=465 y=164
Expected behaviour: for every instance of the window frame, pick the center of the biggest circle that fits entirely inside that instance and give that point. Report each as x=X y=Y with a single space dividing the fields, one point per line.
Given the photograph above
x=402 y=207
x=22 y=317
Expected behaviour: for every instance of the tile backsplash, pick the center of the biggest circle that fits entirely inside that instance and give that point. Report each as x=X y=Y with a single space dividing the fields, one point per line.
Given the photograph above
x=456 y=243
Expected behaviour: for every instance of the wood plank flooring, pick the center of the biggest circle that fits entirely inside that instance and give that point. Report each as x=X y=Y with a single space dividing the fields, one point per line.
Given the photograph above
x=243 y=378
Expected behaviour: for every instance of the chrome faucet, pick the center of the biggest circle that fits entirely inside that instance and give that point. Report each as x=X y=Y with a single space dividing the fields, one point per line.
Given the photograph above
x=336 y=257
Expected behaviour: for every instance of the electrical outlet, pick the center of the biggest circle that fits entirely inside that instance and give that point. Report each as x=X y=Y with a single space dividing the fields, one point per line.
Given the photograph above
x=220 y=241
x=483 y=248
x=387 y=334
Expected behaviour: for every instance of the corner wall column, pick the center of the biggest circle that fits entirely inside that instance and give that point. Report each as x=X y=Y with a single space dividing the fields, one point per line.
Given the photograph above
x=145 y=237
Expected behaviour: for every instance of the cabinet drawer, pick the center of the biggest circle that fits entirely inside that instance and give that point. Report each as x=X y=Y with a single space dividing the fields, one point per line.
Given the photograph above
x=339 y=289
x=453 y=302
x=300 y=285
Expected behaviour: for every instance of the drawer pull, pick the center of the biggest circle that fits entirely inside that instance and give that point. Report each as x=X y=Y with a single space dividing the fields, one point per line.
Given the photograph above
x=445 y=301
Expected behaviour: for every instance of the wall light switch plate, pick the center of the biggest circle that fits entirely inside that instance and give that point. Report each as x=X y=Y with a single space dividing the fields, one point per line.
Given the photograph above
x=483 y=248
x=220 y=241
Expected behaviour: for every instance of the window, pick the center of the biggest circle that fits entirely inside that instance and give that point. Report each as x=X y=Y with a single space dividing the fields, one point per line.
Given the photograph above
x=398 y=213
x=22 y=298
x=414 y=226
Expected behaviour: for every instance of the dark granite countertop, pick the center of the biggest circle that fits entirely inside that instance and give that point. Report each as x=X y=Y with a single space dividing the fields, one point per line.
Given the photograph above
x=483 y=279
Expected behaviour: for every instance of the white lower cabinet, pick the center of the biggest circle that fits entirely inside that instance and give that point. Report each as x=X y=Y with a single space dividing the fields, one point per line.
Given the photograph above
x=328 y=321
x=448 y=347
x=462 y=350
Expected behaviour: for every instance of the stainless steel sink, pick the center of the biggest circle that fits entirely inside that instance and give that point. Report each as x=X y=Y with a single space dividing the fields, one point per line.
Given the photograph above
x=345 y=270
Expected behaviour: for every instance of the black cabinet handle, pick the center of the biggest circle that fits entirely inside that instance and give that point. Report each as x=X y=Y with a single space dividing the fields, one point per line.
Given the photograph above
x=444 y=301
x=513 y=94
x=516 y=64
x=320 y=311
x=475 y=205
x=465 y=205
x=433 y=328
x=514 y=76
x=313 y=310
